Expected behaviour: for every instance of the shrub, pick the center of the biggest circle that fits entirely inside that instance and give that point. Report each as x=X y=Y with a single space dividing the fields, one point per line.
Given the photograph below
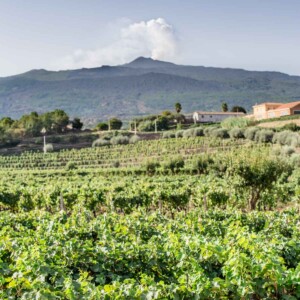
x=238 y=109
x=201 y=164
x=193 y=132
x=276 y=151
x=166 y=113
x=71 y=166
x=100 y=142
x=134 y=139
x=287 y=138
x=119 y=140
x=251 y=132
x=179 y=133
x=151 y=167
x=234 y=122
x=199 y=131
x=146 y=126
x=162 y=123
x=236 y=133
x=102 y=126
x=264 y=136
x=295 y=159
x=174 y=164
x=188 y=133
x=48 y=148
x=259 y=176
x=116 y=164
x=208 y=130
x=168 y=135
x=280 y=137
x=115 y=124
x=77 y=124
x=287 y=151
x=293 y=139
x=220 y=133
x=178 y=126
x=291 y=127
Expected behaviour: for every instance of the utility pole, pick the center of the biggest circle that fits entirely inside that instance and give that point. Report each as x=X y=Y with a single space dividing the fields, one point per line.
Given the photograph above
x=109 y=125
x=43 y=131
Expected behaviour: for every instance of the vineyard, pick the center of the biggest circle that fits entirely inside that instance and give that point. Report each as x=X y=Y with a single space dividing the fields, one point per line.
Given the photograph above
x=188 y=218
x=107 y=156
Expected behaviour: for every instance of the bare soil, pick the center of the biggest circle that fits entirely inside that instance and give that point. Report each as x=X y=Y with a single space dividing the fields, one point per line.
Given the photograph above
x=279 y=123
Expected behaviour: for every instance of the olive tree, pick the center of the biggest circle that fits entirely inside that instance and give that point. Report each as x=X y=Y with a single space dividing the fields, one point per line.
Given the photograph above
x=115 y=124
x=258 y=176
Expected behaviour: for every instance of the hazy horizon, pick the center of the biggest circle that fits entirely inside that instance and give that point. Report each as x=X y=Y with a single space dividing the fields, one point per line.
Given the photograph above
x=127 y=62
x=258 y=35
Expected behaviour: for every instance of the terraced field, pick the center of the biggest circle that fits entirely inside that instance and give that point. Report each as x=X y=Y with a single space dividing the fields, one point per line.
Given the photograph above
x=186 y=218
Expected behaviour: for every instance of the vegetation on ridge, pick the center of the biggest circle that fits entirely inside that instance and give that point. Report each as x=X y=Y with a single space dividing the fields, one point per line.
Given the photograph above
x=139 y=89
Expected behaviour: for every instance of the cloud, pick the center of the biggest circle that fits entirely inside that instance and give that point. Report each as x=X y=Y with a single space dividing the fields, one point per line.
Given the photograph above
x=154 y=38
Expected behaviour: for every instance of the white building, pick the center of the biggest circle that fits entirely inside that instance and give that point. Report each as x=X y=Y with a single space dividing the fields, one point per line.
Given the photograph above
x=214 y=117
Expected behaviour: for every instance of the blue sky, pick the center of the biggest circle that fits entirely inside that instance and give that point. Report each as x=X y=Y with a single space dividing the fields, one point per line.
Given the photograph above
x=56 y=34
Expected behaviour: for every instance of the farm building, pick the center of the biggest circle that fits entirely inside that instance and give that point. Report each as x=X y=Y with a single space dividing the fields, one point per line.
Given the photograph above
x=214 y=117
x=275 y=110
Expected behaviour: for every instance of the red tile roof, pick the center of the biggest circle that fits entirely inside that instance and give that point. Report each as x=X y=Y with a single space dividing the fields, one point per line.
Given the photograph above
x=289 y=105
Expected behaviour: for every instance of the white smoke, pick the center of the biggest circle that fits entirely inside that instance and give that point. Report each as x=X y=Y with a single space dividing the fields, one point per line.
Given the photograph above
x=155 y=38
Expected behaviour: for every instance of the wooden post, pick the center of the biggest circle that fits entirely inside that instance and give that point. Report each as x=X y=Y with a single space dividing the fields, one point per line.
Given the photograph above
x=61 y=203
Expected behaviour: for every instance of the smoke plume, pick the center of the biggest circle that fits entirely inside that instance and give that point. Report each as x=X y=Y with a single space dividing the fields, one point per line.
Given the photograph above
x=154 y=38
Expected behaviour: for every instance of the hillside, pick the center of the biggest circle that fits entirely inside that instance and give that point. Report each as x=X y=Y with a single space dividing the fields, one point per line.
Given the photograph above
x=143 y=86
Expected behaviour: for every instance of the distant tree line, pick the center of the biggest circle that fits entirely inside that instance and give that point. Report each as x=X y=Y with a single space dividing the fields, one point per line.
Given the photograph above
x=236 y=108
x=163 y=121
x=31 y=125
x=112 y=124
x=160 y=122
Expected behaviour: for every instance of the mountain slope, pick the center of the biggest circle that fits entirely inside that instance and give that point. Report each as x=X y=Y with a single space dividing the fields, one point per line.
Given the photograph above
x=143 y=86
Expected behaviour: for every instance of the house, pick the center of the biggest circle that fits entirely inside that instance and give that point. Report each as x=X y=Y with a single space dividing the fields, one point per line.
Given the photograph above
x=270 y=110
x=214 y=117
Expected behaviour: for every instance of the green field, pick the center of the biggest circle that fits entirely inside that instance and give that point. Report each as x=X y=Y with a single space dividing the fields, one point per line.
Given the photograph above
x=184 y=218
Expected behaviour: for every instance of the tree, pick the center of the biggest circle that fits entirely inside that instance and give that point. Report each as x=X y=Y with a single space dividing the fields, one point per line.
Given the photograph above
x=258 y=176
x=31 y=124
x=179 y=118
x=7 y=138
x=115 y=124
x=162 y=123
x=46 y=119
x=166 y=113
x=77 y=124
x=6 y=123
x=59 y=120
x=102 y=126
x=238 y=109
x=178 y=107
x=224 y=107
x=55 y=121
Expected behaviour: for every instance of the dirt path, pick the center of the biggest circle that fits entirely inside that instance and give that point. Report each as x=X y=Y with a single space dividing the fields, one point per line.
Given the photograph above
x=279 y=123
